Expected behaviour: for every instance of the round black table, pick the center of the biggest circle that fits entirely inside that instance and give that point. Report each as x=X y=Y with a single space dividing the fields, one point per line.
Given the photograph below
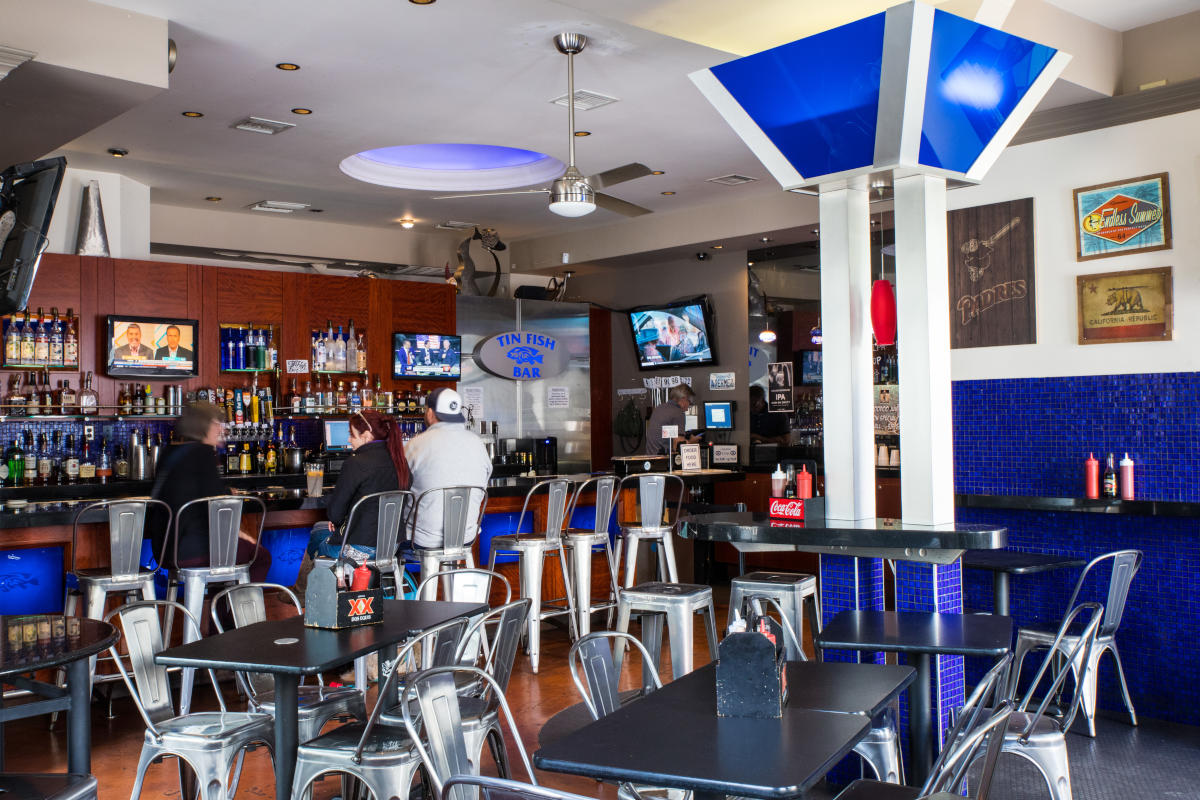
x=45 y=641
x=1002 y=563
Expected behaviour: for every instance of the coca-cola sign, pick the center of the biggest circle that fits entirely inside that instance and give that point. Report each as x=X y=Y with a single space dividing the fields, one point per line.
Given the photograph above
x=785 y=508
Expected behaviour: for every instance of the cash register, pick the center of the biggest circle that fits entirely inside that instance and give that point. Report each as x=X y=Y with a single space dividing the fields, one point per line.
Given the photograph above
x=335 y=444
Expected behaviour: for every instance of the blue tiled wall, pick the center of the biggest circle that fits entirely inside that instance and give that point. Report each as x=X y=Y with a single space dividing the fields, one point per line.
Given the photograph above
x=1030 y=437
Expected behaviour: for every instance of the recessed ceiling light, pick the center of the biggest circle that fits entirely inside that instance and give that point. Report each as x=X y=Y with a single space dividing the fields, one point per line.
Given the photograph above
x=718 y=246
x=422 y=2
x=657 y=172
x=666 y=193
x=749 y=263
x=766 y=239
x=213 y=199
x=816 y=231
x=301 y=110
x=193 y=114
x=118 y=152
x=583 y=133
x=287 y=66
x=406 y=223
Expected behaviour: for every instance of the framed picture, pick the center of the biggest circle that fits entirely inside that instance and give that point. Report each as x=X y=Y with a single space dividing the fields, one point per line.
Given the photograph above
x=1131 y=216
x=1128 y=306
x=779 y=386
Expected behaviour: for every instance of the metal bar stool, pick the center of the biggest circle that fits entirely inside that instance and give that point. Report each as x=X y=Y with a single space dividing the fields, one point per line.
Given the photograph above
x=456 y=517
x=678 y=602
x=581 y=544
x=652 y=493
x=531 y=550
x=224 y=527
x=790 y=590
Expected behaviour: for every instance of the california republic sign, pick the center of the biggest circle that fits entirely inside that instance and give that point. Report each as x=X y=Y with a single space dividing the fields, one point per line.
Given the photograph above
x=1127 y=306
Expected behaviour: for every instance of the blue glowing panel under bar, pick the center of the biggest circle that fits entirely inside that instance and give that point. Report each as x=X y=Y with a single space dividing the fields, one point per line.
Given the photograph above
x=816 y=99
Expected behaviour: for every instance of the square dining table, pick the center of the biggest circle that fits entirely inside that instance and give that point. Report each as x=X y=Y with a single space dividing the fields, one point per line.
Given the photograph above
x=288 y=650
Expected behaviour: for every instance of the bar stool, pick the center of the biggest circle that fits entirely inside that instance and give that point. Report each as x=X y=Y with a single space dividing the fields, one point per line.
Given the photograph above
x=224 y=527
x=456 y=515
x=651 y=493
x=789 y=590
x=581 y=544
x=531 y=550
x=678 y=602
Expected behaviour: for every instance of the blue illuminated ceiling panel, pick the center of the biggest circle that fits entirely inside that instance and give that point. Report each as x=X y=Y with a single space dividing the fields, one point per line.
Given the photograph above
x=816 y=99
x=977 y=75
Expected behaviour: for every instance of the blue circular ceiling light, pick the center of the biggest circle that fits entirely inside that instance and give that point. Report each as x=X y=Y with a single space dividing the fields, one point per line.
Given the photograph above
x=452 y=167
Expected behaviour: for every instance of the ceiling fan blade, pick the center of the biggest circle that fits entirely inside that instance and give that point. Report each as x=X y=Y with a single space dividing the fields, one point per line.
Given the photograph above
x=491 y=194
x=622 y=207
x=611 y=177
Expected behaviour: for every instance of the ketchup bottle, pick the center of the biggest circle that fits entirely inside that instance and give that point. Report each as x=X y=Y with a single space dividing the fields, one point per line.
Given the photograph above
x=804 y=483
x=1091 y=477
x=362 y=578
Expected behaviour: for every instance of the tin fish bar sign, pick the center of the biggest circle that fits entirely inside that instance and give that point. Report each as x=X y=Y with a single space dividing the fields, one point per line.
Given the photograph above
x=522 y=355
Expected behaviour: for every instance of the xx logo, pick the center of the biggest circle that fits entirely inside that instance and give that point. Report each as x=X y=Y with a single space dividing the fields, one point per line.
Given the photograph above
x=360 y=606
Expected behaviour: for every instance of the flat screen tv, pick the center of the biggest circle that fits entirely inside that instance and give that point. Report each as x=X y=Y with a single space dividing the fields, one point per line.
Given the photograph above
x=810 y=367
x=28 y=193
x=674 y=335
x=426 y=355
x=337 y=435
x=718 y=416
x=152 y=347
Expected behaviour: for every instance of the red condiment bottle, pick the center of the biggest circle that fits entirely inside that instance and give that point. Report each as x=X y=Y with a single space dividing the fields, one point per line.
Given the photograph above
x=804 y=486
x=1091 y=477
x=362 y=578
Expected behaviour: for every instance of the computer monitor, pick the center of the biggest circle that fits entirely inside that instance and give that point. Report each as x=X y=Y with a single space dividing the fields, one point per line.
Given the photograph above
x=337 y=435
x=718 y=416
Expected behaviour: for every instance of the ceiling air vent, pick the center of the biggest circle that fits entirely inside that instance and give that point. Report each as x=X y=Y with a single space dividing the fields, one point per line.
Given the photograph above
x=454 y=225
x=732 y=180
x=261 y=125
x=585 y=100
x=279 y=206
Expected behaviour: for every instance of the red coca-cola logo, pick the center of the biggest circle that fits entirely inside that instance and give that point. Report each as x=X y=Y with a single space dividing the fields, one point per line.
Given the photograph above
x=786 y=508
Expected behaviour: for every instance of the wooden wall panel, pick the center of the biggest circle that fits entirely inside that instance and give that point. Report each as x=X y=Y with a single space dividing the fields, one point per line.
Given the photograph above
x=57 y=284
x=151 y=289
x=245 y=295
x=423 y=308
x=334 y=299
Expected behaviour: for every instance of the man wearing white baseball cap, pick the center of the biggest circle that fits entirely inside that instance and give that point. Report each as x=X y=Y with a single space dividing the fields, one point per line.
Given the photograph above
x=445 y=454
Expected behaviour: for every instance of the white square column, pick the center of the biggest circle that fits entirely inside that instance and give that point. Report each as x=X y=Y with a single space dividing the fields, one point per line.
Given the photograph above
x=846 y=376
x=923 y=339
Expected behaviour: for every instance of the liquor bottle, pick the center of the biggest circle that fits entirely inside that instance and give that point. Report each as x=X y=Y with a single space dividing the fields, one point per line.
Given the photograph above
x=28 y=340
x=362 y=355
x=136 y=400
x=420 y=400
x=411 y=403
x=71 y=460
x=14 y=464
x=87 y=464
x=56 y=339
x=354 y=399
x=368 y=396
x=104 y=468
x=68 y=402
x=295 y=400
x=271 y=465
x=71 y=341
x=227 y=350
x=339 y=351
x=328 y=403
x=260 y=457
x=44 y=477
x=231 y=457
x=330 y=345
x=41 y=342
x=1109 y=482
x=12 y=340
x=380 y=400
x=148 y=400
x=120 y=464
x=291 y=443
x=351 y=350
x=16 y=398
x=318 y=352
x=33 y=396
x=272 y=350
x=56 y=465
x=89 y=401
x=340 y=400
x=310 y=400
x=31 y=461
x=49 y=395
x=124 y=401
x=246 y=460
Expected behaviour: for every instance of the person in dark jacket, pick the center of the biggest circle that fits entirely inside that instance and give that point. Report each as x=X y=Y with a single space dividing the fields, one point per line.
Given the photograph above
x=377 y=465
x=188 y=471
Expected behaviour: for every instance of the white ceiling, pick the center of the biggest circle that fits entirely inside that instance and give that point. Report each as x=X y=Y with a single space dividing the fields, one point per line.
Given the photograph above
x=1123 y=16
x=387 y=72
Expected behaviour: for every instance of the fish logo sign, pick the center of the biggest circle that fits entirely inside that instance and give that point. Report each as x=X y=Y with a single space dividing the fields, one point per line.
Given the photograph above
x=525 y=355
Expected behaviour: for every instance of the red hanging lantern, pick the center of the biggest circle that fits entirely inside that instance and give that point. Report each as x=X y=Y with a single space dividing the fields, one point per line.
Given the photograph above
x=883 y=312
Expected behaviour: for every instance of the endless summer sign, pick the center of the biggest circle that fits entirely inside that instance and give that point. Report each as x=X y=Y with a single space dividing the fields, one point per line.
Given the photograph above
x=522 y=355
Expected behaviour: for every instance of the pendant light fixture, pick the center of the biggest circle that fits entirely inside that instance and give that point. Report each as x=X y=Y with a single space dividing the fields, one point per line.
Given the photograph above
x=883 y=303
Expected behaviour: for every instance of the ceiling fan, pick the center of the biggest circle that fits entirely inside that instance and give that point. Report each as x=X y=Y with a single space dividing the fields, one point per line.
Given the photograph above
x=574 y=195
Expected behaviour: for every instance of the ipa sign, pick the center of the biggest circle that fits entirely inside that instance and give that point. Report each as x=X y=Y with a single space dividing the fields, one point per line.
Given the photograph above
x=522 y=355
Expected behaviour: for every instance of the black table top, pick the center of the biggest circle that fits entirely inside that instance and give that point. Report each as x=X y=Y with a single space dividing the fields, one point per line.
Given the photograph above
x=759 y=527
x=845 y=687
x=1016 y=563
x=673 y=737
x=918 y=632
x=48 y=640
x=286 y=646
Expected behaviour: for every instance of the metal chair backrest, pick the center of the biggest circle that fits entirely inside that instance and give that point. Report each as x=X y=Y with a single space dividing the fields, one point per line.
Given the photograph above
x=456 y=512
x=975 y=714
x=558 y=494
x=126 y=529
x=605 y=487
x=1125 y=565
x=951 y=768
x=247 y=606
x=500 y=645
x=489 y=788
x=593 y=655
x=468 y=585
x=1078 y=656
x=393 y=507
x=652 y=498
x=224 y=528
x=437 y=698
x=143 y=634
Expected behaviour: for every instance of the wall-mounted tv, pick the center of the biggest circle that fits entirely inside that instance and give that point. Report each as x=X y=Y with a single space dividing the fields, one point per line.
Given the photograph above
x=810 y=366
x=152 y=347
x=426 y=355
x=674 y=335
x=718 y=415
x=28 y=193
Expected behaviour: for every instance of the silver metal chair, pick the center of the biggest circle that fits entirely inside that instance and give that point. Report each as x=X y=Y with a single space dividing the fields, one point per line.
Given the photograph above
x=381 y=756
x=791 y=590
x=211 y=743
x=678 y=603
x=457 y=502
x=392 y=508
x=651 y=503
x=317 y=704
x=224 y=528
x=1124 y=567
x=532 y=550
x=1038 y=737
x=33 y=786
x=482 y=787
x=581 y=544
x=463 y=585
x=443 y=747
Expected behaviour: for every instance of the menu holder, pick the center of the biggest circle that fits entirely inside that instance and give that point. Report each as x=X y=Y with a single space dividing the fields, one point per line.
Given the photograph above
x=326 y=605
x=751 y=680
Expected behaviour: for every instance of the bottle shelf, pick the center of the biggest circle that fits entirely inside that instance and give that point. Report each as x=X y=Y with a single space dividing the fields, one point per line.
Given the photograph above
x=7 y=417
x=336 y=372
x=248 y=371
x=37 y=367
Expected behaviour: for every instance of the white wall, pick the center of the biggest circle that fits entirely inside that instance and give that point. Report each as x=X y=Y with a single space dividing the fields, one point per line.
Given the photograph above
x=126 y=205
x=1049 y=171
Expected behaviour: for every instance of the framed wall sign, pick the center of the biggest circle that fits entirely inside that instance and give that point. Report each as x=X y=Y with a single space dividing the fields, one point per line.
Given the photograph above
x=1127 y=306
x=779 y=386
x=1130 y=216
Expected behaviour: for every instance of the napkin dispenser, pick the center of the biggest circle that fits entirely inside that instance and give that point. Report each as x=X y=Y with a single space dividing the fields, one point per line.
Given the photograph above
x=326 y=605
x=751 y=680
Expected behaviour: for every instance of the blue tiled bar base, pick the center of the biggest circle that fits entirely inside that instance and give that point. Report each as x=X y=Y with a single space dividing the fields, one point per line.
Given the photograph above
x=855 y=583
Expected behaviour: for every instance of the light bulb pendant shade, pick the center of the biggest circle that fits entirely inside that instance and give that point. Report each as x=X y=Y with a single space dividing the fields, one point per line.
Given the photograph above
x=883 y=312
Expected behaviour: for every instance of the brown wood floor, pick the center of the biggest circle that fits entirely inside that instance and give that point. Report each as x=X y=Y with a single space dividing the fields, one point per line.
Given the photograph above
x=31 y=747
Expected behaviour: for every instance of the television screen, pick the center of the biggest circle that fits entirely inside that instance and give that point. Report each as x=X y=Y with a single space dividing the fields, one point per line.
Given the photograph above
x=718 y=416
x=810 y=366
x=426 y=355
x=152 y=347
x=337 y=435
x=673 y=335
x=28 y=193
